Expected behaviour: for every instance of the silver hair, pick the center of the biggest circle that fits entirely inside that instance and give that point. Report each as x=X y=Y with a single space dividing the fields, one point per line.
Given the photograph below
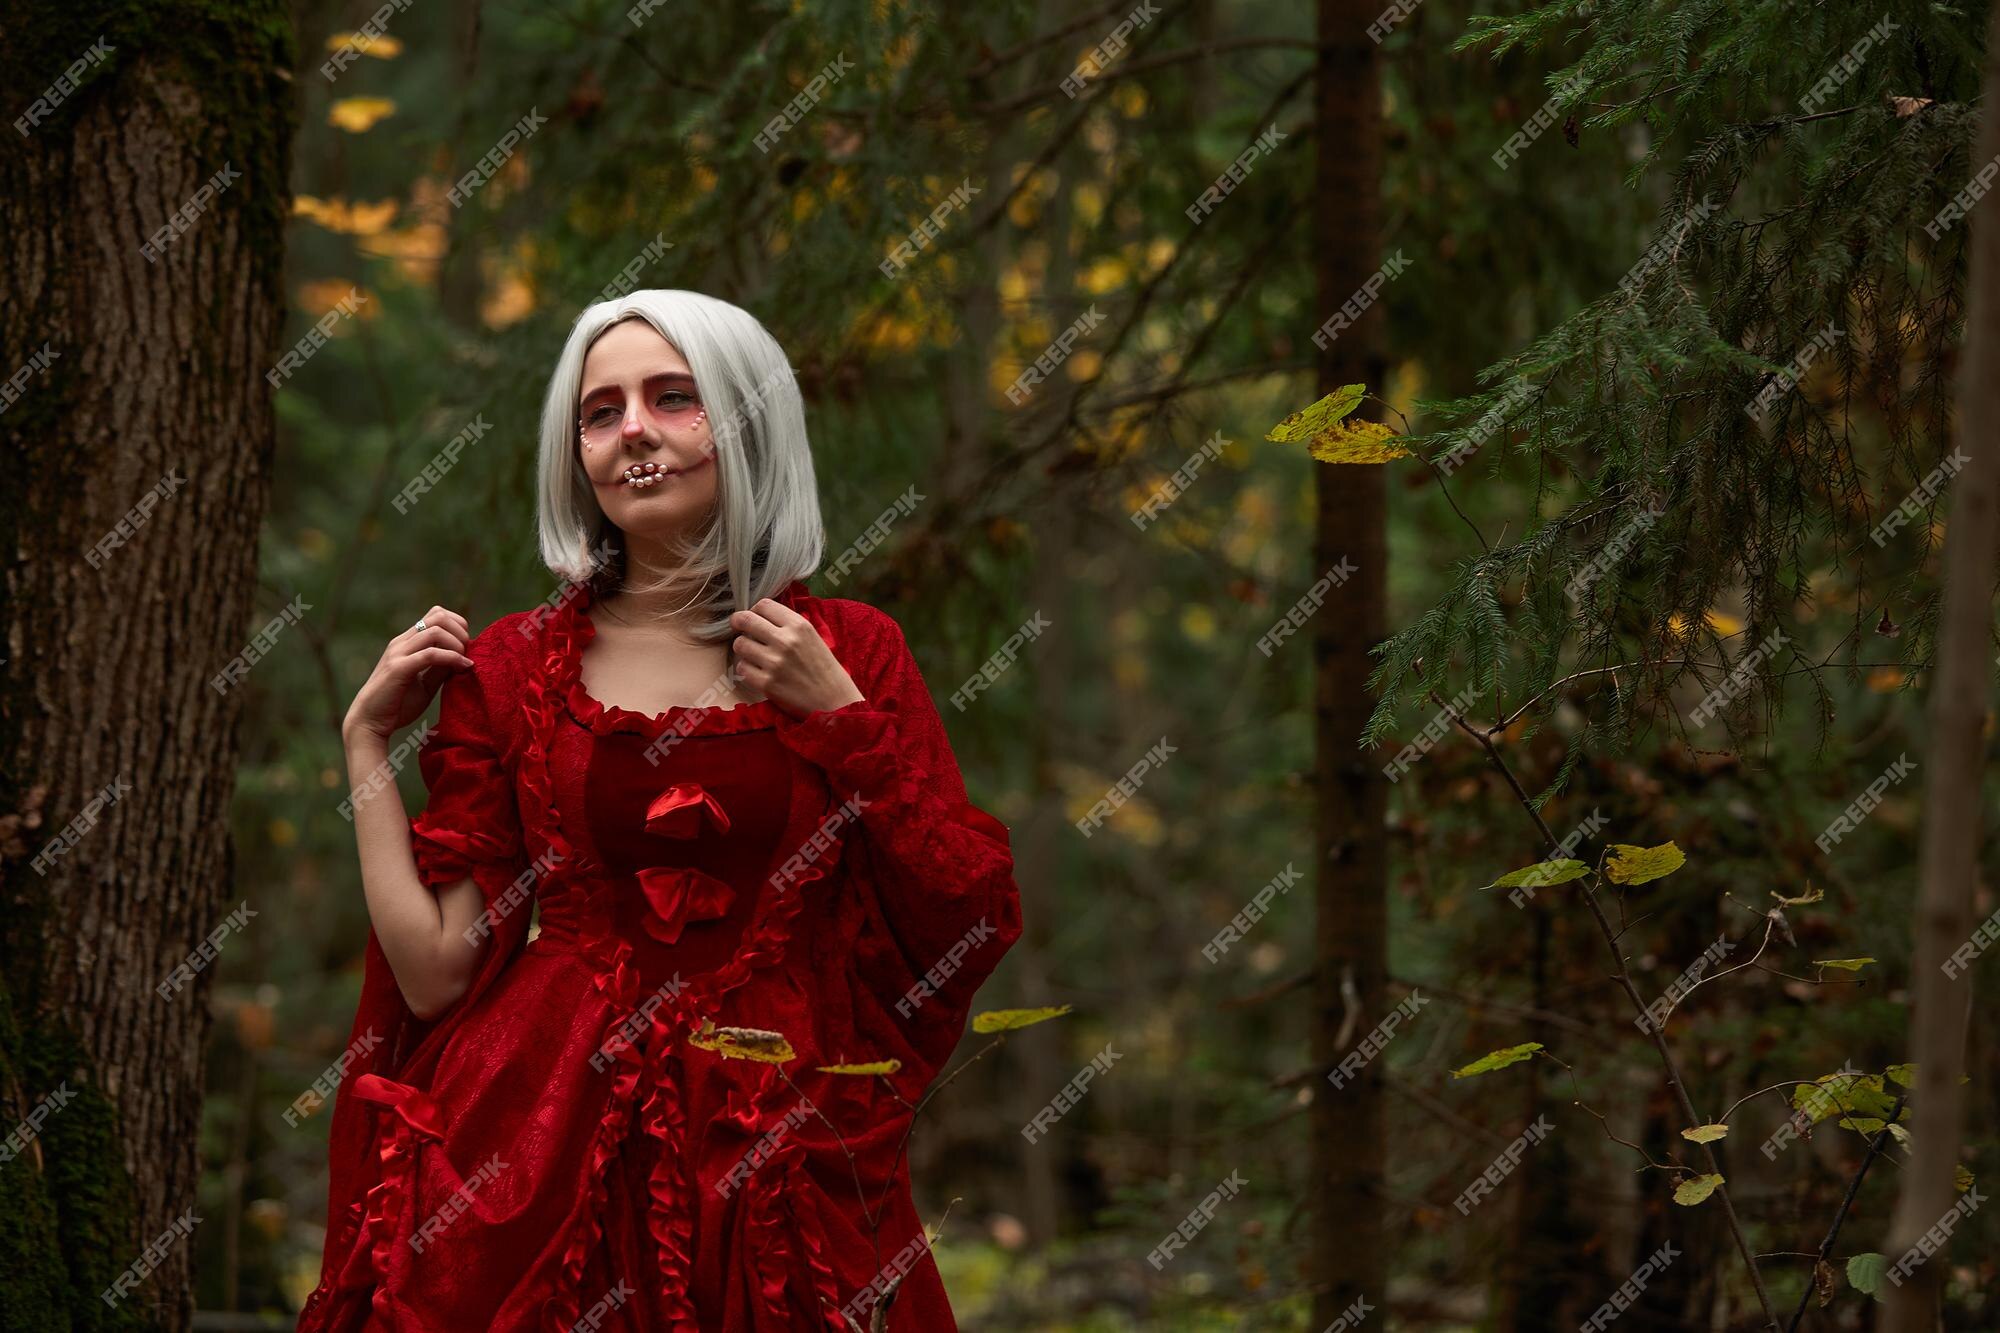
x=765 y=530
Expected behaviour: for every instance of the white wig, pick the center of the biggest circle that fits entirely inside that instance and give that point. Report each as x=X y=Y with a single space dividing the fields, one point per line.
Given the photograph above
x=765 y=529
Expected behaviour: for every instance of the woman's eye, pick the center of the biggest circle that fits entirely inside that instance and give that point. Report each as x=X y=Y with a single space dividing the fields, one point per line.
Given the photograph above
x=676 y=398
x=600 y=416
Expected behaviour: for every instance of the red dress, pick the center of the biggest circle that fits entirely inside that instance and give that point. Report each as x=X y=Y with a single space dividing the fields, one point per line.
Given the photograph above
x=553 y=1153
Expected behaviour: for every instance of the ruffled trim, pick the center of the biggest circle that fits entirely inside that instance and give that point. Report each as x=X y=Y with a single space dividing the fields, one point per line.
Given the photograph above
x=602 y=719
x=651 y=1061
x=414 y=1117
x=778 y=1209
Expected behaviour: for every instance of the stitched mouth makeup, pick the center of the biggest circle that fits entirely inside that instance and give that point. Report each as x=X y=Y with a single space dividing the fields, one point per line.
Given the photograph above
x=641 y=476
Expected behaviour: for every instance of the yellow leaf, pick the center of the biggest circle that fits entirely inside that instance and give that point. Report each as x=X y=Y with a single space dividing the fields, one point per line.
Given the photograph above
x=1007 y=1020
x=1357 y=442
x=1500 y=1059
x=872 y=1067
x=1724 y=624
x=1694 y=1189
x=760 y=1044
x=1638 y=865
x=382 y=46
x=1308 y=422
x=1705 y=1133
x=1845 y=964
x=357 y=114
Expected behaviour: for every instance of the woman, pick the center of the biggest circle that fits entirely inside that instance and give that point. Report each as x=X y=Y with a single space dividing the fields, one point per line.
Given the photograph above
x=733 y=806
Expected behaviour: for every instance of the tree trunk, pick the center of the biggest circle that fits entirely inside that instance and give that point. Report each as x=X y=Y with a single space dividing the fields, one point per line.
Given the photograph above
x=1350 y=935
x=1949 y=862
x=139 y=442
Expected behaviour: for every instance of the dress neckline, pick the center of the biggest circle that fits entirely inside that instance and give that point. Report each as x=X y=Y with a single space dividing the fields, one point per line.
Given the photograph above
x=576 y=630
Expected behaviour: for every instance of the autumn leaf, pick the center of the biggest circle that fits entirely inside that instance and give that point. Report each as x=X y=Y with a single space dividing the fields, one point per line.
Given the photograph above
x=1705 y=1133
x=1640 y=865
x=1308 y=422
x=1811 y=895
x=1845 y=964
x=357 y=115
x=1500 y=1059
x=1541 y=873
x=380 y=45
x=1357 y=442
x=1694 y=1189
x=1961 y=1179
x=759 y=1044
x=1905 y=107
x=872 y=1067
x=1008 y=1020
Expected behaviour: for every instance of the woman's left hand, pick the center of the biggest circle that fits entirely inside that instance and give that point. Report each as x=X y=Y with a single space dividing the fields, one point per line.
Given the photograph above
x=783 y=656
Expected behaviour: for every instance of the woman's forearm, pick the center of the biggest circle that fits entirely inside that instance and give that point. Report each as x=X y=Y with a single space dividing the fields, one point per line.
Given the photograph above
x=421 y=931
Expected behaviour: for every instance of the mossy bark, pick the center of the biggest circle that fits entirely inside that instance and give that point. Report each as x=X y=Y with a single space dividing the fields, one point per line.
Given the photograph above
x=138 y=369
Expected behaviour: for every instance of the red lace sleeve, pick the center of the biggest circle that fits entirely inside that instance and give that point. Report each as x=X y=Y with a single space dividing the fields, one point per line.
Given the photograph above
x=471 y=824
x=944 y=868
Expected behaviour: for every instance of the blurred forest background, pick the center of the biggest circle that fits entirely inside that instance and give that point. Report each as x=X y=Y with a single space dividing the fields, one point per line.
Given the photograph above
x=1562 y=334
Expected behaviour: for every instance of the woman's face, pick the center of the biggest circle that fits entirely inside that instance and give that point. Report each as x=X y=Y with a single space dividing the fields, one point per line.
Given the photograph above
x=644 y=438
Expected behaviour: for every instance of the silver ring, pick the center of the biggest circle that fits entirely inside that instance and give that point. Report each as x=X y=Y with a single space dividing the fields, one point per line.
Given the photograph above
x=420 y=624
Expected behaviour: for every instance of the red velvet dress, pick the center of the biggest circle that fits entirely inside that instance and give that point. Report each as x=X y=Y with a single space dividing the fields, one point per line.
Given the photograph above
x=553 y=1153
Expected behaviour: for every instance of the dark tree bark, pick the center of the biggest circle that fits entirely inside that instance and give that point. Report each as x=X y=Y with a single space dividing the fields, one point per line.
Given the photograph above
x=1350 y=939
x=1948 y=865
x=153 y=413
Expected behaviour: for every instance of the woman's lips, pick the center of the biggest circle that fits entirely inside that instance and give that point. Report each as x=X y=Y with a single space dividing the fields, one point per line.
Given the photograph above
x=640 y=476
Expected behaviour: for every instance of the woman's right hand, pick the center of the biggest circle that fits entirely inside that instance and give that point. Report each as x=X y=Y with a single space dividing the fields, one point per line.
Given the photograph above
x=409 y=674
